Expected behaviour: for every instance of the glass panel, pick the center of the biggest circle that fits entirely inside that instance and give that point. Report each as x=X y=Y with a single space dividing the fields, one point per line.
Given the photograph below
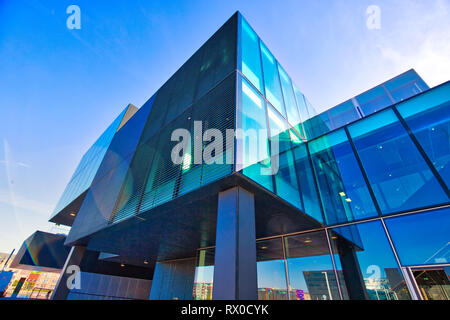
x=373 y=100
x=256 y=159
x=289 y=99
x=422 y=238
x=251 y=60
x=304 y=115
x=405 y=85
x=286 y=180
x=401 y=80
x=296 y=139
x=428 y=117
x=254 y=124
x=308 y=193
x=310 y=269
x=318 y=125
x=278 y=130
x=271 y=80
x=271 y=270
x=400 y=178
x=343 y=191
x=261 y=173
x=406 y=91
x=368 y=264
x=343 y=114
x=204 y=275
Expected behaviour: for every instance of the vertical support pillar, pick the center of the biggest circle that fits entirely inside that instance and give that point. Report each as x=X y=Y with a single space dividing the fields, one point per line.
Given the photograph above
x=352 y=273
x=74 y=258
x=235 y=254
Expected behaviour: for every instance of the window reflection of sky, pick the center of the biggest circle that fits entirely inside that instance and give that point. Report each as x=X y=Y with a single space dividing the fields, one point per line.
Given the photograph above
x=296 y=267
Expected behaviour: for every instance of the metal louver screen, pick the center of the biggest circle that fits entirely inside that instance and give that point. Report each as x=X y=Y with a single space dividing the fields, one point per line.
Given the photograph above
x=153 y=179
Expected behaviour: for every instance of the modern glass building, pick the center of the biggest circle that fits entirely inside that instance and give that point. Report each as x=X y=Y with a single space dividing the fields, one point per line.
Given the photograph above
x=268 y=199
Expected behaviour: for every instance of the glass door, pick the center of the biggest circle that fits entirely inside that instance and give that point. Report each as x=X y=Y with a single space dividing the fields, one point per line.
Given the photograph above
x=433 y=282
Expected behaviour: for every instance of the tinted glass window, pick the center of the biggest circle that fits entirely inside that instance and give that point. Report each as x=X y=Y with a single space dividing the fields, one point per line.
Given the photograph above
x=271 y=80
x=271 y=270
x=289 y=99
x=254 y=122
x=286 y=180
x=422 y=238
x=406 y=91
x=255 y=156
x=308 y=192
x=343 y=191
x=373 y=100
x=405 y=85
x=279 y=132
x=251 y=60
x=368 y=264
x=204 y=275
x=304 y=115
x=343 y=114
x=400 y=178
x=318 y=125
x=428 y=117
x=310 y=269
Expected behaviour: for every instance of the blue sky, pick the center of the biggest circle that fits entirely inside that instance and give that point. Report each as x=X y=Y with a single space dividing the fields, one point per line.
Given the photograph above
x=61 y=88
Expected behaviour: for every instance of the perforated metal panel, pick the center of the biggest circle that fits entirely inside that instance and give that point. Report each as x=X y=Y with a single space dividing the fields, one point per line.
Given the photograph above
x=154 y=179
x=202 y=89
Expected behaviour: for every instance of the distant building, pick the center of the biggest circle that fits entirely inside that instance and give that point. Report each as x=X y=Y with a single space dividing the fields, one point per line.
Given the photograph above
x=26 y=283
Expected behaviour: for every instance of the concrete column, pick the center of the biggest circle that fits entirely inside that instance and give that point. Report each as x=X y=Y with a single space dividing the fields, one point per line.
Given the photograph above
x=74 y=258
x=235 y=254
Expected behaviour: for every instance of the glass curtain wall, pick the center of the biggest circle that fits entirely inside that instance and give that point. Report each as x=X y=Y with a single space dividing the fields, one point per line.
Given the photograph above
x=361 y=265
x=428 y=117
x=270 y=80
x=382 y=164
x=343 y=191
x=310 y=268
x=368 y=264
x=354 y=261
x=398 y=174
x=204 y=275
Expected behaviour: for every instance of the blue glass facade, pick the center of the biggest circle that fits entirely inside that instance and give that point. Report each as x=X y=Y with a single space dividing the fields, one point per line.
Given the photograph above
x=381 y=153
x=391 y=163
x=393 y=91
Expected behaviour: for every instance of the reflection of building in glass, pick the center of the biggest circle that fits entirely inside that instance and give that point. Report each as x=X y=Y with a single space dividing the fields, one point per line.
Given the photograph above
x=272 y=294
x=321 y=284
x=203 y=291
x=346 y=188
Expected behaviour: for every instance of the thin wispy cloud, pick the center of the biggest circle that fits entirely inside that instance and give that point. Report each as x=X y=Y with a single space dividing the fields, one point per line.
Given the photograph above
x=420 y=40
x=20 y=202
